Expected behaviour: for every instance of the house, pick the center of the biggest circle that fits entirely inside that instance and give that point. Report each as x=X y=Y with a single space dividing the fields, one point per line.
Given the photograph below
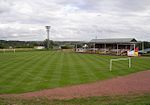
x=39 y=47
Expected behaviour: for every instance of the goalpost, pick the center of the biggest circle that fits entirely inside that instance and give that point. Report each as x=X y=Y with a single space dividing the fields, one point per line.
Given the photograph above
x=119 y=59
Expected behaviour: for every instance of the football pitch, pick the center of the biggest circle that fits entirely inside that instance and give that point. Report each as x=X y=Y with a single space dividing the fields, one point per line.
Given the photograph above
x=36 y=70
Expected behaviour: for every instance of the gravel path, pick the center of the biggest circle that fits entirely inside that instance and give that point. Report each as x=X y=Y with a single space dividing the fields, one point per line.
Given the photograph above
x=130 y=84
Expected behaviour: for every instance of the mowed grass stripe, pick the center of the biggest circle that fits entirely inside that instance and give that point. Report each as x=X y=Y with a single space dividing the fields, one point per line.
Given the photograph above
x=95 y=65
x=40 y=71
x=79 y=70
x=74 y=77
x=45 y=70
x=6 y=81
x=84 y=72
x=10 y=69
x=101 y=70
x=5 y=66
x=89 y=67
x=56 y=76
x=138 y=64
x=104 y=62
x=49 y=69
x=20 y=64
x=65 y=71
x=51 y=74
x=18 y=74
x=39 y=63
x=16 y=60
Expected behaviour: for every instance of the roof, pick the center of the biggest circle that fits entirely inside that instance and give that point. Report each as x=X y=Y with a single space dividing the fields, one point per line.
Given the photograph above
x=114 y=40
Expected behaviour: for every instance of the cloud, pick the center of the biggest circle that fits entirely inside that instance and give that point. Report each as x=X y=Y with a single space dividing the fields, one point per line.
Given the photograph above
x=74 y=20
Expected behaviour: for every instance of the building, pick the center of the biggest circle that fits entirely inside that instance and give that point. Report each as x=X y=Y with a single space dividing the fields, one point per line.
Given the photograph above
x=39 y=47
x=118 y=46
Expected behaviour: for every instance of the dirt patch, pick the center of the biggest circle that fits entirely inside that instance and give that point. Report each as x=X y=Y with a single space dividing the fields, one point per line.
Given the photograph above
x=131 y=84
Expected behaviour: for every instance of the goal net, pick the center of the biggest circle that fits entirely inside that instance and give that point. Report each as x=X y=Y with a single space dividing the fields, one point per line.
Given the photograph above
x=119 y=59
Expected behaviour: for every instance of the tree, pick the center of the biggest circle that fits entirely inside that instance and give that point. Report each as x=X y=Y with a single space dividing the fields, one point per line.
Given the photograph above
x=51 y=43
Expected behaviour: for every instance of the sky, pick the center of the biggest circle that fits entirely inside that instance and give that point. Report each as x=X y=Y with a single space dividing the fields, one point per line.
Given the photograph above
x=74 y=20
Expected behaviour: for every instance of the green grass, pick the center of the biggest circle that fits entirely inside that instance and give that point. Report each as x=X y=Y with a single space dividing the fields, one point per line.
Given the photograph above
x=105 y=100
x=147 y=54
x=37 y=70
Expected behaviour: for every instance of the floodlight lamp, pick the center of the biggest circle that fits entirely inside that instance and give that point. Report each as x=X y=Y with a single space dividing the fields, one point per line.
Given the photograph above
x=48 y=27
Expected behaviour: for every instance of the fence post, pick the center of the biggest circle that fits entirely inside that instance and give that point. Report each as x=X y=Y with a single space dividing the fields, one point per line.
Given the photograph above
x=14 y=50
x=4 y=51
x=129 y=62
x=110 y=65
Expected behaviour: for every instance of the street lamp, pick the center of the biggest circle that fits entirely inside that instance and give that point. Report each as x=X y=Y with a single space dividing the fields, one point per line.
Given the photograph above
x=48 y=30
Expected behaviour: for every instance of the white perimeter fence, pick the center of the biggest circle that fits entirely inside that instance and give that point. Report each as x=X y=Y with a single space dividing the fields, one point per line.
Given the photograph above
x=8 y=50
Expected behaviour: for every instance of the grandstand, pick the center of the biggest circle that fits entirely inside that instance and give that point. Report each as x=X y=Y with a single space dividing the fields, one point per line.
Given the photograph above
x=118 y=46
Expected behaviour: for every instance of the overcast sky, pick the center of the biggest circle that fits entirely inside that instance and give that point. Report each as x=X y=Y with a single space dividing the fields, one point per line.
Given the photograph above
x=74 y=19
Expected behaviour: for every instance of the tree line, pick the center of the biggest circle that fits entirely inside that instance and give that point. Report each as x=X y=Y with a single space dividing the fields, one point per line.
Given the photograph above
x=31 y=44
